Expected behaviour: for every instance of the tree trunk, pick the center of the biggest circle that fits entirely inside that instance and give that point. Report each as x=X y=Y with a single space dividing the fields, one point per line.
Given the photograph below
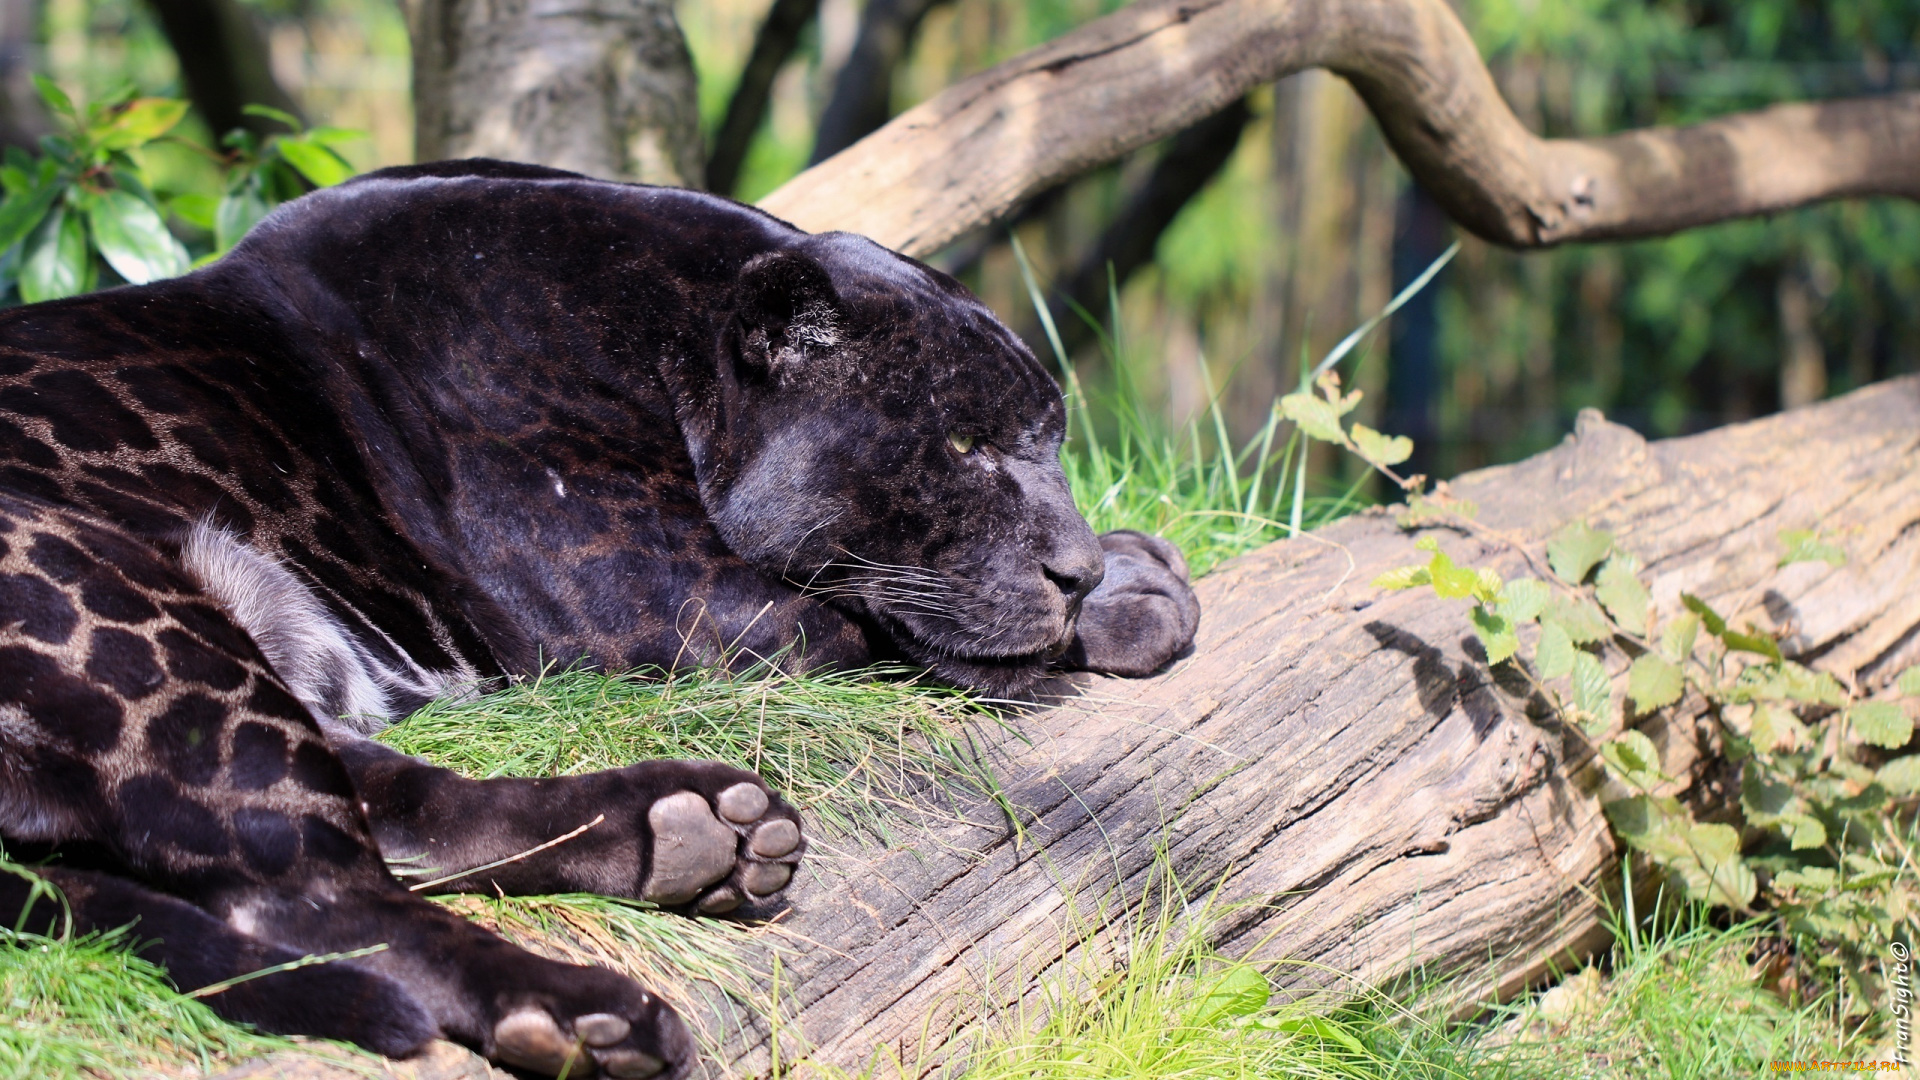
x=862 y=98
x=772 y=47
x=602 y=87
x=1341 y=754
x=987 y=143
x=23 y=118
x=224 y=60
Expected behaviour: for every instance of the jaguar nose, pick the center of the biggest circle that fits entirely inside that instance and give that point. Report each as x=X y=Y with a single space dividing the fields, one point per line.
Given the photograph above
x=1074 y=580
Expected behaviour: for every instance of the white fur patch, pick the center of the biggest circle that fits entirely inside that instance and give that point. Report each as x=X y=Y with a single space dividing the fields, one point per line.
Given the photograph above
x=340 y=681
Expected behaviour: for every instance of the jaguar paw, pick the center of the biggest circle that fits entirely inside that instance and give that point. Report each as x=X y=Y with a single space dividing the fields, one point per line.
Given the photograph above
x=639 y=1038
x=1144 y=612
x=721 y=842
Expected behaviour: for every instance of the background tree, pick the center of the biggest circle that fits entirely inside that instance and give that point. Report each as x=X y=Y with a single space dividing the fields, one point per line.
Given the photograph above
x=603 y=87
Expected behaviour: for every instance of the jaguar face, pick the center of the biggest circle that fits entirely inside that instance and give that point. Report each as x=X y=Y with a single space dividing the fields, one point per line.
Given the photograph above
x=891 y=445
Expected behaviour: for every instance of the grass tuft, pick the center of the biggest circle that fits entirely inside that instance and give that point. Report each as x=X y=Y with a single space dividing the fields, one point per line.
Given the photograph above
x=852 y=748
x=83 y=1006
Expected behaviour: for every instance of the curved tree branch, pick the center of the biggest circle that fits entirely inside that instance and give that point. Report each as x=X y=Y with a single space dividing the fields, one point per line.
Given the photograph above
x=959 y=160
x=772 y=47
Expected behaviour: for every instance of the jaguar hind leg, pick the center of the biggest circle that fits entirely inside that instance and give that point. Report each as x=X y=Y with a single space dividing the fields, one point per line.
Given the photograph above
x=338 y=1000
x=136 y=717
x=695 y=835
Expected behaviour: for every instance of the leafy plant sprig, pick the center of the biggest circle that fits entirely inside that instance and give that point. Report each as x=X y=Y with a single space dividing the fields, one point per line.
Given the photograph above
x=263 y=173
x=84 y=200
x=1818 y=842
x=84 y=197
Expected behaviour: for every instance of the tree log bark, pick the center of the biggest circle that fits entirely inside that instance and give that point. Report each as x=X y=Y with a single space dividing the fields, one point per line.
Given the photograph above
x=602 y=87
x=1341 y=755
x=961 y=159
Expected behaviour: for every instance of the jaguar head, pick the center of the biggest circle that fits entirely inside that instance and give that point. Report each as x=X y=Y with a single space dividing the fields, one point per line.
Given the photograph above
x=885 y=442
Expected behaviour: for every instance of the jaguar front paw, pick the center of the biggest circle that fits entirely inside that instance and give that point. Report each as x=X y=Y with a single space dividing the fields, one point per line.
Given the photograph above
x=1143 y=613
x=718 y=838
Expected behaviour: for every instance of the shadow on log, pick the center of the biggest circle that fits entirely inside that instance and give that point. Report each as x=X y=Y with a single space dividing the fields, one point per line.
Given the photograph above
x=1341 y=754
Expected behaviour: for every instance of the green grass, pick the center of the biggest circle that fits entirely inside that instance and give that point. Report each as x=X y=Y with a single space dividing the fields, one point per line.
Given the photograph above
x=1676 y=999
x=77 y=1006
x=850 y=748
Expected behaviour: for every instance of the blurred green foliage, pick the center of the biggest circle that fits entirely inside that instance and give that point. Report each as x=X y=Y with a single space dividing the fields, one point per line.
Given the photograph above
x=1689 y=332
x=82 y=208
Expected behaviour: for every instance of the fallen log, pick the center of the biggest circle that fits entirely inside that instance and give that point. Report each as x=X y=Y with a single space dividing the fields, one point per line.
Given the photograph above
x=969 y=155
x=1342 y=754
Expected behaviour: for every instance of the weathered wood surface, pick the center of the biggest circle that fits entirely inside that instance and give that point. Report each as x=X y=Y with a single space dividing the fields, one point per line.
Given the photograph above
x=977 y=150
x=1339 y=750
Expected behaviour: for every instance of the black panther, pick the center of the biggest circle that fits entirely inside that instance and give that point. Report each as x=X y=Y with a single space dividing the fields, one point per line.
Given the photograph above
x=448 y=424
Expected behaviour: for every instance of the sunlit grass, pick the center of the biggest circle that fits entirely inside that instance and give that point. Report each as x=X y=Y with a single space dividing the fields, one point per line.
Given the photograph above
x=851 y=748
x=82 y=1006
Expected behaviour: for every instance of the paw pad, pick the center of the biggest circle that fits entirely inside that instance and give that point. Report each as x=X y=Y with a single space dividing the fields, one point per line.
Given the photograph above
x=775 y=838
x=691 y=849
x=743 y=803
x=531 y=1039
x=721 y=850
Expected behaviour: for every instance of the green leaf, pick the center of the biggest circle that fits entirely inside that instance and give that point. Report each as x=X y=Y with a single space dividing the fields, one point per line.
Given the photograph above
x=20 y=213
x=1807 y=832
x=1753 y=641
x=133 y=238
x=325 y=168
x=238 y=212
x=1240 y=991
x=1653 y=823
x=1901 y=775
x=1714 y=623
x=1575 y=549
x=1910 y=681
x=1621 y=593
x=1774 y=728
x=1496 y=634
x=1716 y=873
x=1321 y=1028
x=58 y=263
x=1678 y=636
x=56 y=98
x=1451 y=582
x=1580 y=619
x=1805 y=546
x=1375 y=447
x=271 y=113
x=195 y=209
x=1634 y=759
x=1554 y=657
x=1524 y=599
x=1487 y=586
x=1811 y=878
x=1881 y=723
x=334 y=136
x=1592 y=694
x=1653 y=682
x=1764 y=797
x=1403 y=577
x=1315 y=418
x=139 y=123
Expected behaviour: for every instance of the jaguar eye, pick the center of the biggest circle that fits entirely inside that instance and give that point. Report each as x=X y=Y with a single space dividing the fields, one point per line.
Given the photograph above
x=962 y=444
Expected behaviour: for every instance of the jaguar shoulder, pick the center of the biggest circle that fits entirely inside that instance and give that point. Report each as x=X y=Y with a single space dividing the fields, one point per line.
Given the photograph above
x=445 y=424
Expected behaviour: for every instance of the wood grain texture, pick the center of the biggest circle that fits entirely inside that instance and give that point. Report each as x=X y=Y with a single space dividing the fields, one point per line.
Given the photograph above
x=972 y=153
x=1340 y=754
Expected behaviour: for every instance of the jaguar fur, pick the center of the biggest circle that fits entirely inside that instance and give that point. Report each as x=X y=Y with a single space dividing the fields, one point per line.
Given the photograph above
x=444 y=425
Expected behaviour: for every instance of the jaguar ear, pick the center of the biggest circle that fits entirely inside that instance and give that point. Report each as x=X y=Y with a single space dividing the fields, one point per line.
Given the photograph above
x=787 y=309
